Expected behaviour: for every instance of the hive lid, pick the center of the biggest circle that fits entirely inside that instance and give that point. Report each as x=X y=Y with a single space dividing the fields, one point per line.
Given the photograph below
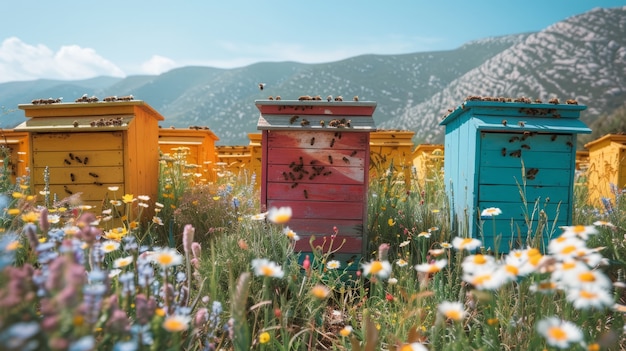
x=76 y=124
x=348 y=116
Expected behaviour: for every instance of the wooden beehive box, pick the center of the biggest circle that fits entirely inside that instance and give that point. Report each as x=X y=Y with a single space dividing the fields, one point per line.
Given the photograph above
x=607 y=167
x=200 y=145
x=389 y=147
x=86 y=152
x=18 y=151
x=493 y=149
x=256 y=155
x=428 y=162
x=233 y=158
x=319 y=169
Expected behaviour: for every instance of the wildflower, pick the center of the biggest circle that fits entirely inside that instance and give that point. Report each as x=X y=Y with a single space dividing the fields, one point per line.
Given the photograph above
x=489 y=278
x=346 y=331
x=109 y=246
x=452 y=310
x=392 y=281
x=143 y=204
x=604 y=224
x=320 y=291
x=382 y=269
x=468 y=244
x=391 y=222
x=188 y=234
x=401 y=262
x=474 y=263
x=157 y=220
x=279 y=215
x=128 y=198
x=30 y=217
x=167 y=258
x=113 y=188
x=579 y=231
x=414 y=346
x=404 y=243
x=545 y=286
x=389 y=297
x=436 y=252
x=176 y=323
x=123 y=262
x=242 y=244
x=144 y=197
x=264 y=338
x=490 y=212
x=291 y=234
x=559 y=333
x=433 y=267
x=259 y=216
x=445 y=245
x=333 y=264
x=115 y=234
x=590 y=296
x=424 y=235
x=267 y=268
x=13 y=211
x=17 y=195
x=115 y=203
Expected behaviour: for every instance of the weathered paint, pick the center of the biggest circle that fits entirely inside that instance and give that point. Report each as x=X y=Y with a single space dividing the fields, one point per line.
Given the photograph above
x=514 y=156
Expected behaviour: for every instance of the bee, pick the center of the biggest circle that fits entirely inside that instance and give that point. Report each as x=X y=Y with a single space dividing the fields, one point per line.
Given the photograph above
x=521 y=123
x=312 y=141
x=67 y=162
x=75 y=124
x=306 y=194
x=93 y=175
x=305 y=122
x=553 y=137
x=330 y=159
x=261 y=86
x=329 y=98
x=317 y=98
x=526 y=146
x=355 y=98
x=98 y=183
x=86 y=160
x=77 y=159
x=554 y=101
x=305 y=98
x=300 y=175
x=292 y=164
x=332 y=142
x=531 y=173
x=322 y=123
x=278 y=97
x=339 y=135
x=312 y=176
x=571 y=102
x=516 y=153
x=271 y=98
x=339 y=98
x=569 y=143
x=294 y=185
x=71 y=155
x=293 y=177
x=327 y=173
x=293 y=119
x=72 y=177
x=285 y=176
x=503 y=151
x=515 y=138
x=504 y=122
x=346 y=160
x=353 y=153
x=68 y=191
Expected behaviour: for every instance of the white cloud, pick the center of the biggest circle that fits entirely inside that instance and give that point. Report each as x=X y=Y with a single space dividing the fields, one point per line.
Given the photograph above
x=22 y=61
x=157 y=65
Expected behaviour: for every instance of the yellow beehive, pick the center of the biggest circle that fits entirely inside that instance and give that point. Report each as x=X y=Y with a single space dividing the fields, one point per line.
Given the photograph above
x=387 y=146
x=89 y=147
x=607 y=166
x=199 y=144
x=234 y=159
x=428 y=162
x=256 y=155
x=18 y=151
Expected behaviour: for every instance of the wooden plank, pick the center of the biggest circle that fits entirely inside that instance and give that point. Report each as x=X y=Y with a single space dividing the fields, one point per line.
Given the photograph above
x=337 y=175
x=82 y=175
x=306 y=190
x=322 y=139
x=95 y=158
x=343 y=244
x=515 y=157
x=321 y=209
x=324 y=227
x=513 y=193
x=505 y=175
x=77 y=141
x=88 y=192
x=544 y=142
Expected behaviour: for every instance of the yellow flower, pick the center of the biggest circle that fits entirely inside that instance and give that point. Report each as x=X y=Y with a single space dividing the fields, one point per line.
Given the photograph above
x=116 y=233
x=128 y=198
x=30 y=217
x=391 y=222
x=13 y=245
x=176 y=323
x=320 y=291
x=264 y=338
x=279 y=215
x=216 y=198
x=347 y=330
x=160 y=312
x=17 y=195
x=13 y=211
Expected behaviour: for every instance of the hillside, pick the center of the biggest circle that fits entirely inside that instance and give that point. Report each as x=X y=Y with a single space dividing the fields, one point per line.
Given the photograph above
x=583 y=57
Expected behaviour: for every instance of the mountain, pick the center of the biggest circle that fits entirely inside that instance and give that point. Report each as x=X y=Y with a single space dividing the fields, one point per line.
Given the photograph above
x=582 y=57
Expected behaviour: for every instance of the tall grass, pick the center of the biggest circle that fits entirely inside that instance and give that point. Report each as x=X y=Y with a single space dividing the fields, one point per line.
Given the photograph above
x=209 y=272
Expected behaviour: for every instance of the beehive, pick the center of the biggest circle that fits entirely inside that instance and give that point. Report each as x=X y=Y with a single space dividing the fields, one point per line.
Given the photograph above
x=428 y=162
x=256 y=155
x=607 y=167
x=199 y=144
x=496 y=151
x=17 y=152
x=319 y=169
x=233 y=158
x=391 y=148
x=89 y=147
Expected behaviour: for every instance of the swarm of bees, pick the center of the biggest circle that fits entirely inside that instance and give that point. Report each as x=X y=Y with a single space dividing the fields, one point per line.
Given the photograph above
x=87 y=98
x=91 y=99
x=47 y=101
x=522 y=99
x=199 y=127
x=111 y=122
x=340 y=123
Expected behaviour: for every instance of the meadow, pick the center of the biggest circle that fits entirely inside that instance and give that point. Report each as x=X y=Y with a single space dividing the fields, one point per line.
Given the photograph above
x=202 y=268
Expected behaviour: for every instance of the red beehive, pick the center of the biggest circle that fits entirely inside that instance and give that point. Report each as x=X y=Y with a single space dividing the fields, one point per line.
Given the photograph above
x=316 y=160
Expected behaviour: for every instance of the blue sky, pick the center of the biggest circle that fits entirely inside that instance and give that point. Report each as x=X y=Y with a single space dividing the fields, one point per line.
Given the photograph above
x=82 y=39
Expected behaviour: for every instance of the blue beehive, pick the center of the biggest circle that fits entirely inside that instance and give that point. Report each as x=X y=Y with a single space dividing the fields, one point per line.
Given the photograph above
x=515 y=156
